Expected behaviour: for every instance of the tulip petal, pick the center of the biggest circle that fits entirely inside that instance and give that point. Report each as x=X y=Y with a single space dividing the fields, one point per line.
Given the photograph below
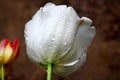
x=64 y=38
x=51 y=32
x=81 y=43
x=7 y=53
x=3 y=44
x=85 y=23
x=77 y=54
x=66 y=69
x=35 y=57
x=15 y=47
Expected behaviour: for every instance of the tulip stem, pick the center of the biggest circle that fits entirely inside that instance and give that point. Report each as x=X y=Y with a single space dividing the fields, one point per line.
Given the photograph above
x=2 y=72
x=49 y=71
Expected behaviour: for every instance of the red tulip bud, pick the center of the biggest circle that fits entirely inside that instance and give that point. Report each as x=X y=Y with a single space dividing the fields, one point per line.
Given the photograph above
x=8 y=50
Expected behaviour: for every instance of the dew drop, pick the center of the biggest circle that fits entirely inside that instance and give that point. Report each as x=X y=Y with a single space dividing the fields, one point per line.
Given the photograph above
x=59 y=35
x=65 y=43
x=25 y=31
x=41 y=9
x=52 y=39
x=71 y=19
x=54 y=46
x=49 y=47
x=26 y=37
x=40 y=47
x=43 y=42
x=53 y=24
x=45 y=48
x=46 y=13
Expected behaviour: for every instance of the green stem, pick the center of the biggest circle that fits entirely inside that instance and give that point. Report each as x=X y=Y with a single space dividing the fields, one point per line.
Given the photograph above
x=2 y=72
x=49 y=71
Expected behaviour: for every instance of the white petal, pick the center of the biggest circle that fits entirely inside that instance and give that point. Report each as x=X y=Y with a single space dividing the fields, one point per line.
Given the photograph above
x=48 y=6
x=71 y=24
x=85 y=23
x=34 y=57
x=66 y=69
x=51 y=31
x=82 y=42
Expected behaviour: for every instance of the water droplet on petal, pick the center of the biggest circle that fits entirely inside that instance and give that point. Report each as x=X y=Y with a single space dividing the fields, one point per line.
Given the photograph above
x=45 y=48
x=46 y=13
x=41 y=9
x=71 y=19
x=54 y=46
x=26 y=37
x=40 y=47
x=52 y=39
x=49 y=47
x=52 y=24
x=65 y=43
x=59 y=35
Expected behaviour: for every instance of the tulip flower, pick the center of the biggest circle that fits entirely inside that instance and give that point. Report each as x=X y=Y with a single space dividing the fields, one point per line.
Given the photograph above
x=8 y=52
x=57 y=39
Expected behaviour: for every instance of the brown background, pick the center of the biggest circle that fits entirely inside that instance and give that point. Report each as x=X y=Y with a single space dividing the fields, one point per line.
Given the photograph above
x=103 y=57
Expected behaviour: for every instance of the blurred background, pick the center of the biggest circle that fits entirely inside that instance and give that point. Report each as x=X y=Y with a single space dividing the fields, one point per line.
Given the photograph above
x=103 y=56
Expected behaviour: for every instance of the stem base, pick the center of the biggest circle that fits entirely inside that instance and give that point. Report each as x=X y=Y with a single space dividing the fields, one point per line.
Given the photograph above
x=49 y=71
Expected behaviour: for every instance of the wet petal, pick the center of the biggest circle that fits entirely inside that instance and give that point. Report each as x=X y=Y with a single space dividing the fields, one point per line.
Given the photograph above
x=66 y=69
x=46 y=36
x=82 y=42
x=57 y=35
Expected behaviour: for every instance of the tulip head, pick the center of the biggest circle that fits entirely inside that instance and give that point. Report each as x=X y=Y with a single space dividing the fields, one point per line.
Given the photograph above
x=57 y=35
x=8 y=51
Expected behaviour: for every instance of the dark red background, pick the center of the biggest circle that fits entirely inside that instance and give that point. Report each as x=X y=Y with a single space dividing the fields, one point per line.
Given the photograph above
x=103 y=56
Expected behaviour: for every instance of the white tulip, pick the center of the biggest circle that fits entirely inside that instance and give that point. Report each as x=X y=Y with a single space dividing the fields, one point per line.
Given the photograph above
x=57 y=35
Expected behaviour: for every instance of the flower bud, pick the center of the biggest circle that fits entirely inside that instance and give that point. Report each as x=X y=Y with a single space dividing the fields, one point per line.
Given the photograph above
x=8 y=50
x=57 y=35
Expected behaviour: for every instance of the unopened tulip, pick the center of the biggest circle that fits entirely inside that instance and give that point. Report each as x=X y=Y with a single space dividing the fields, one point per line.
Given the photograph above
x=57 y=35
x=8 y=51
